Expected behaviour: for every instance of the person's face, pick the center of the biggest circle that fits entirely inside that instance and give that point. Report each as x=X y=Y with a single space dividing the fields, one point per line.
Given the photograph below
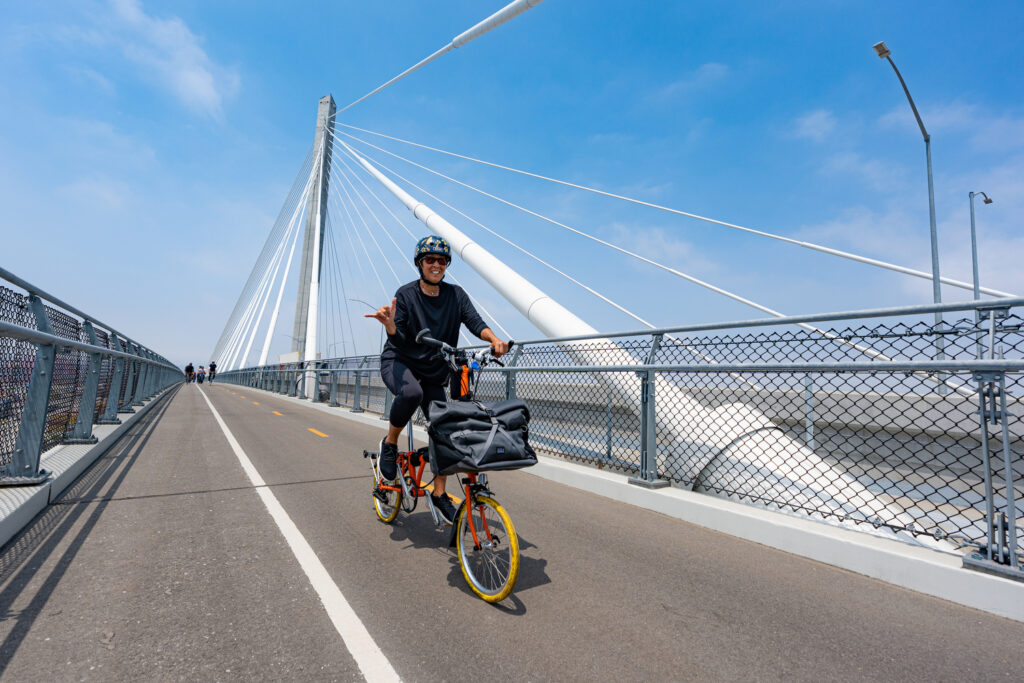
x=433 y=268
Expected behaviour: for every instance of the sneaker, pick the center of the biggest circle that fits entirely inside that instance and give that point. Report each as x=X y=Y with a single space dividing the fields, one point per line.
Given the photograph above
x=443 y=504
x=388 y=461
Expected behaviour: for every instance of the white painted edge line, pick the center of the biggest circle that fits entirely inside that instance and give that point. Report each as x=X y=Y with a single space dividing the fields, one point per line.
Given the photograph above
x=370 y=659
x=931 y=572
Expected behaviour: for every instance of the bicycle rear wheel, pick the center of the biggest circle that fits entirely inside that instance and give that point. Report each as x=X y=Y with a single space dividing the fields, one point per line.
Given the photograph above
x=386 y=502
x=490 y=563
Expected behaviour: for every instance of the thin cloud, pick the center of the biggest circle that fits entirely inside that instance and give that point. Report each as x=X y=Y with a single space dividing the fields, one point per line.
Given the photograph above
x=984 y=129
x=702 y=77
x=815 y=125
x=172 y=56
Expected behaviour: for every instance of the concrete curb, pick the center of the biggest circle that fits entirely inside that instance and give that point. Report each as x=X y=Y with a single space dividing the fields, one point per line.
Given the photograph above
x=924 y=570
x=19 y=505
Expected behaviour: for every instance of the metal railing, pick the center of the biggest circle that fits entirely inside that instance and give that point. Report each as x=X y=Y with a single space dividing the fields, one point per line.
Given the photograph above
x=858 y=424
x=61 y=372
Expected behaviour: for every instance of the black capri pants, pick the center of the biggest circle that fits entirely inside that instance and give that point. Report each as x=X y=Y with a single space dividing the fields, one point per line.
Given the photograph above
x=410 y=392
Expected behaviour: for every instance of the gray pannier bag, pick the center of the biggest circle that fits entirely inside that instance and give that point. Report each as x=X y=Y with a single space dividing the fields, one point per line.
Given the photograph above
x=469 y=436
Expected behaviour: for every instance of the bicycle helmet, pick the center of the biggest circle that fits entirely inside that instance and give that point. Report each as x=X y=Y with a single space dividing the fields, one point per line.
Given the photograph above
x=432 y=244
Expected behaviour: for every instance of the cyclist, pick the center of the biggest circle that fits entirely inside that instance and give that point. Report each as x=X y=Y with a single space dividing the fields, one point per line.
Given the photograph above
x=213 y=371
x=415 y=373
x=189 y=372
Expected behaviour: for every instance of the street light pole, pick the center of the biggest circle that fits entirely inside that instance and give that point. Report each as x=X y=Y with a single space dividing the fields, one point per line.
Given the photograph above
x=884 y=53
x=974 y=244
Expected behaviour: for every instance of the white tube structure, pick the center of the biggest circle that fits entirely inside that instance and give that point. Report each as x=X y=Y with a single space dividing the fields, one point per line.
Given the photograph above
x=700 y=443
x=284 y=279
x=309 y=353
x=510 y=11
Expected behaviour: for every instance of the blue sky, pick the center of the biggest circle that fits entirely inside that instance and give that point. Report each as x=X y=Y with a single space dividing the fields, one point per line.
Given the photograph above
x=146 y=149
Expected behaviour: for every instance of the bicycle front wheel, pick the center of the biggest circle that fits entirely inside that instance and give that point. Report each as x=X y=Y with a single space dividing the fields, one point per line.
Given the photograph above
x=488 y=548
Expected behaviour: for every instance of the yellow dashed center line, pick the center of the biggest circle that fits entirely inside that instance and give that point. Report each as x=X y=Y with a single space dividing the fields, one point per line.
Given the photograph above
x=243 y=397
x=255 y=403
x=277 y=413
x=318 y=433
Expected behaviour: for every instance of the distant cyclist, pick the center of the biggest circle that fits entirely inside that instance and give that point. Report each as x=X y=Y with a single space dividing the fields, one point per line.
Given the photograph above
x=213 y=371
x=200 y=374
x=415 y=373
x=189 y=373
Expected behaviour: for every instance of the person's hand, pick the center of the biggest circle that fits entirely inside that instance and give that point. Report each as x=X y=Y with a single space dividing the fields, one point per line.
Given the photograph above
x=386 y=316
x=499 y=348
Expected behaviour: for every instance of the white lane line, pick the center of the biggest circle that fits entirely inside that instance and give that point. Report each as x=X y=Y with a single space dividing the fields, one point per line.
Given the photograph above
x=372 y=662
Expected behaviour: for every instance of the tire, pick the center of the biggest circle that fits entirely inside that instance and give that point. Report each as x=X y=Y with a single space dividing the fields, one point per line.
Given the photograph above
x=491 y=570
x=387 y=509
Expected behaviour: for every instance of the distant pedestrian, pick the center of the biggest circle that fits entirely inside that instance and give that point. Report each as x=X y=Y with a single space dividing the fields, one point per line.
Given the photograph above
x=200 y=374
x=189 y=373
x=213 y=371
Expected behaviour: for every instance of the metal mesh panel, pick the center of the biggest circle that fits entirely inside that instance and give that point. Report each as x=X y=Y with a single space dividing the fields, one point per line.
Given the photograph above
x=66 y=385
x=16 y=361
x=901 y=450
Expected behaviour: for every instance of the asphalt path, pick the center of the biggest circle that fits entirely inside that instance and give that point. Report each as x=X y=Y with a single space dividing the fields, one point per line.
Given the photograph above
x=164 y=563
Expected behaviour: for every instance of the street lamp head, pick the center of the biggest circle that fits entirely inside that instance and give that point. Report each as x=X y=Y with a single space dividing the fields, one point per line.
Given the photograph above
x=987 y=199
x=882 y=50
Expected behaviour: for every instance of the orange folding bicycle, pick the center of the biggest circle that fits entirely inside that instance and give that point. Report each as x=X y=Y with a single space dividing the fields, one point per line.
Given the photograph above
x=483 y=534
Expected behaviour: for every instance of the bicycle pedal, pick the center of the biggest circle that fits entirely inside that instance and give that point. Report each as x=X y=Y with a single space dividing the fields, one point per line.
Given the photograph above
x=371 y=454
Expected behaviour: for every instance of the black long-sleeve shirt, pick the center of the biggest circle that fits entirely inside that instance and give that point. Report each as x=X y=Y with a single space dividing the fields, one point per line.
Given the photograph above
x=442 y=314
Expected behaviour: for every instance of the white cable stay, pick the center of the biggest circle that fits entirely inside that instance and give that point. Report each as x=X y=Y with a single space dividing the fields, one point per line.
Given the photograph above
x=503 y=15
x=398 y=280
x=355 y=229
x=265 y=286
x=871 y=353
x=338 y=279
x=669 y=269
x=351 y=229
x=272 y=238
x=366 y=226
x=266 y=295
x=565 y=275
x=272 y=327
x=800 y=243
x=476 y=302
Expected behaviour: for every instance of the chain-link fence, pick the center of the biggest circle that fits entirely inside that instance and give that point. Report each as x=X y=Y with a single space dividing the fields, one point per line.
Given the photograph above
x=59 y=375
x=877 y=420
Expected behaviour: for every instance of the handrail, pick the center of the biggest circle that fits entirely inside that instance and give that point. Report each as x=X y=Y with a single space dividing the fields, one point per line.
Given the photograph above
x=35 y=336
x=32 y=289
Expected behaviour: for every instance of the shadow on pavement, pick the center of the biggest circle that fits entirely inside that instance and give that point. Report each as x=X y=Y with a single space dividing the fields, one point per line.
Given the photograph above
x=42 y=537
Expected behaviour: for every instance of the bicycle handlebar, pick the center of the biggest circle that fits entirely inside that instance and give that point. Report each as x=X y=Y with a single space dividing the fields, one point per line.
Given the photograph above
x=481 y=357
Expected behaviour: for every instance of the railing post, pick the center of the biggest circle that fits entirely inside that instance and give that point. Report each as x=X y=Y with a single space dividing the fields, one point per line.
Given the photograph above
x=24 y=466
x=648 y=424
x=334 y=389
x=300 y=386
x=140 y=384
x=87 y=406
x=809 y=410
x=510 y=378
x=356 y=404
x=1001 y=537
x=132 y=370
x=109 y=416
x=292 y=388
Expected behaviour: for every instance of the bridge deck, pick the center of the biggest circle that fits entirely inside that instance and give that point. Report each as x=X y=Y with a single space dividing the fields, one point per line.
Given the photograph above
x=163 y=562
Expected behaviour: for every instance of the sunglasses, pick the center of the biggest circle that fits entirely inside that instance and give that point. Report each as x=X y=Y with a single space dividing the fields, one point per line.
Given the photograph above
x=431 y=260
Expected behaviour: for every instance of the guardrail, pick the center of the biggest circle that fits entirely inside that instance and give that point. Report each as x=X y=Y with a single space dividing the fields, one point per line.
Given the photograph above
x=894 y=422
x=61 y=372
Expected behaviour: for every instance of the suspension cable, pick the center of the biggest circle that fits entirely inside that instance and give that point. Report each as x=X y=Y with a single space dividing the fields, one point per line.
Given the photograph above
x=800 y=243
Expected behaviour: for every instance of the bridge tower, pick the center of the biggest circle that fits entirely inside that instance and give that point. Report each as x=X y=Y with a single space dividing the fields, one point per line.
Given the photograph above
x=304 y=330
